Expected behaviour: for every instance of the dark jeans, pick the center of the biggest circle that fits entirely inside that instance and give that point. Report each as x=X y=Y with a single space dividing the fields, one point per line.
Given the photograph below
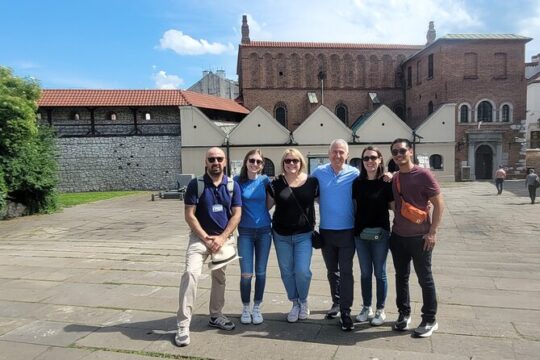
x=338 y=253
x=405 y=249
x=499 y=185
x=532 y=193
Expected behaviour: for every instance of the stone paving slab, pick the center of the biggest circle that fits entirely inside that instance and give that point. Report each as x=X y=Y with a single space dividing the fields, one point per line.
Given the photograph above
x=80 y=285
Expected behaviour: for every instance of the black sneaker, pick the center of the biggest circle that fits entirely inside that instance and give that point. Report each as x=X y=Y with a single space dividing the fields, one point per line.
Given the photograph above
x=402 y=322
x=346 y=322
x=333 y=312
x=425 y=329
x=221 y=322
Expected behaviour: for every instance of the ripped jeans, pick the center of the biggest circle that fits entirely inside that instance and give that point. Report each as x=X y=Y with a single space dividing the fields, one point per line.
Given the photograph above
x=253 y=248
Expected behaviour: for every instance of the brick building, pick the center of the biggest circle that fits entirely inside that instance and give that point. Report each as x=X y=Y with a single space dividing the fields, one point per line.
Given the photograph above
x=482 y=74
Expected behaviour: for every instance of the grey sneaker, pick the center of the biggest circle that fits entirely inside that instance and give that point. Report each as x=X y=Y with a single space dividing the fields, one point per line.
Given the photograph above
x=304 y=310
x=294 y=313
x=402 y=322
x=425 y=329
x=182 y=336
x=379 y=318
x=245 y=318
x=221 y=322
x=256 y=315
x=365 y=314
x=333 y=312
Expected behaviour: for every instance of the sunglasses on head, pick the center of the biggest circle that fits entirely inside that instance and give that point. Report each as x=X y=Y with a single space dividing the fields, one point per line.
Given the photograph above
x=401 y=151
x=255 y=161
x=372 y=158
x=289 y=161
x=213 y=159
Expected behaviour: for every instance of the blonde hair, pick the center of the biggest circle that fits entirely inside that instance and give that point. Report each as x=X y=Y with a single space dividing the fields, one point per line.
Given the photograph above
x=297 y=154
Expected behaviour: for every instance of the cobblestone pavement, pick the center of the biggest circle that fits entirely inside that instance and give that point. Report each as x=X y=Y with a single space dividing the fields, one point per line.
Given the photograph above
x=100 y=281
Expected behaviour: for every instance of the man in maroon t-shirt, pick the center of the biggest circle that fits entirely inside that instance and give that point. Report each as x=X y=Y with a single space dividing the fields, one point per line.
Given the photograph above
x=414 y=241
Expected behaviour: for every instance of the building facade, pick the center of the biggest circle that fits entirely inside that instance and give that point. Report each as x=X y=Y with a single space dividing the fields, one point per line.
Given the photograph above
x=482 y=74
x=216 y=84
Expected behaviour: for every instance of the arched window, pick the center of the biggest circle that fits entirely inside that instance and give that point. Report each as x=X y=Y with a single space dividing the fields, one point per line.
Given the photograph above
x=485 y=111
x=430 y=108
x=280 y=113
x=505 y=113
x=464 y=114
x=269 y=168
x=435 y=162
x=111 y=115
x=75 y=115
x=342 y=113
x=147 y=116
x=356 y=162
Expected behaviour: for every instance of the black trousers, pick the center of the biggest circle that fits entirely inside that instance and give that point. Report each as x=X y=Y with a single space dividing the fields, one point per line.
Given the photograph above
x=405 y=249
x=532 y=193
x=338 y=253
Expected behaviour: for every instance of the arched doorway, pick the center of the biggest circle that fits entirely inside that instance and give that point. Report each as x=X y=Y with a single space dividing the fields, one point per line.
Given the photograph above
x=269 y=168
x=483 y=160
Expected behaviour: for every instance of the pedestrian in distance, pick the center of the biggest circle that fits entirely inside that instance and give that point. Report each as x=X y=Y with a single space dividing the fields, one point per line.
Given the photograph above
x=254 y=239
x=293 y=193
x=500 y=176
x=532 y=182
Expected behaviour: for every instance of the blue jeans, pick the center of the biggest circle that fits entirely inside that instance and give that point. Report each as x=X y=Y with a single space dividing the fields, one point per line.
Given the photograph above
x=372 y=258
x=404 y=250
x=253 y=241
x=294 y=259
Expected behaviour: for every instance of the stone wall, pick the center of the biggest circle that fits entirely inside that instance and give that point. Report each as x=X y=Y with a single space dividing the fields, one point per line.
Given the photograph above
x=118 y=163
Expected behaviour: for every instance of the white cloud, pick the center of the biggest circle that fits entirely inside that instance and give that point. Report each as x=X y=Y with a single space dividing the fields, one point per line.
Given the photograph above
x=164 y=81
x=183 y=44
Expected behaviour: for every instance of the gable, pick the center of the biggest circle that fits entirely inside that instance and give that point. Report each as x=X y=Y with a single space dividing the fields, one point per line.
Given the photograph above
x=382 y=126
x=198 y=130
x=439 y=126
x=322 y=127
x=259 y=128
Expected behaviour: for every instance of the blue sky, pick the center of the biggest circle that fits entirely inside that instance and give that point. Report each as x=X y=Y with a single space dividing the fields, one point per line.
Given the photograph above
x=148 y=44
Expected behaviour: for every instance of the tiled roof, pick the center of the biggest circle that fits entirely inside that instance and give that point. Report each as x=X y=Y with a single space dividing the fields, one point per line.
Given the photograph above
x=319 y=45
x=484 y=37
x=71 y=98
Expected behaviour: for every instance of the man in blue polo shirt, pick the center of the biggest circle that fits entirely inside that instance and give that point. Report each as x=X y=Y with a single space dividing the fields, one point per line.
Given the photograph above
x=212 y=213
x=337 y=228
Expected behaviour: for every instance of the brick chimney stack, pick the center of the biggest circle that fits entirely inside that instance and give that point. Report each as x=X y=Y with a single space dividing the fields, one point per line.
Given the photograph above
x=245 y=30
x=431 y=34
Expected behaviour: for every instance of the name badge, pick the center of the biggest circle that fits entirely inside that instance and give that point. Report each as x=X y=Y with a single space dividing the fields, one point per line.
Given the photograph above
x=217 y=208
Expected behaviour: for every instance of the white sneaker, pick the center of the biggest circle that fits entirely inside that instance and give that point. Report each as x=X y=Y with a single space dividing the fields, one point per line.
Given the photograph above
x=379 y=318
x=293 y=314
x=257 y=316
x=182 y=336
x=246 y=315
x=304 y=310
x=365 y=315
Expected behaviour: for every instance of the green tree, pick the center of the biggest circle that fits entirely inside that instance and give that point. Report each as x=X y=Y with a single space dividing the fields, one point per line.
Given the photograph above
x=27 y=151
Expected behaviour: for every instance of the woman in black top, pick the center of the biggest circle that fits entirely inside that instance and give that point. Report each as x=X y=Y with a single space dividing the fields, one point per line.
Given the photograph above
x=294 y=193
x=373 y=197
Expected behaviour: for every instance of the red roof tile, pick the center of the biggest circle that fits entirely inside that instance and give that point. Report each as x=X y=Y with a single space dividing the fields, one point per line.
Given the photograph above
x=330 y=45
x=69 y=98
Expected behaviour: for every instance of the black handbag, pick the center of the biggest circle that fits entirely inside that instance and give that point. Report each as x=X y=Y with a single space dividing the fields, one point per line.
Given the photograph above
x=316 y=239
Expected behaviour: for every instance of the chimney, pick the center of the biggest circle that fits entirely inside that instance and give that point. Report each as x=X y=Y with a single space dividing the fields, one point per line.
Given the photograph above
x=431 y=34
x=220 y=73
x=245 y=30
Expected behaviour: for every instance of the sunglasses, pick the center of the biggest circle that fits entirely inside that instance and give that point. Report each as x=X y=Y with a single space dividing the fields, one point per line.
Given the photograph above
x=401 y=151
x=289 y=161
x=213 y=159
x=372 y=158
x=255 y=161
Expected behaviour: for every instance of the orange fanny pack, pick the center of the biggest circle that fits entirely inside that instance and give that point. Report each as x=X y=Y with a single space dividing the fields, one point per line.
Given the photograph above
x=409 y=211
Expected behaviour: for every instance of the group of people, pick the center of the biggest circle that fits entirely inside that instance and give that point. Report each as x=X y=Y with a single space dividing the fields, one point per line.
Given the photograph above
x=354 y=207
x=532 y=182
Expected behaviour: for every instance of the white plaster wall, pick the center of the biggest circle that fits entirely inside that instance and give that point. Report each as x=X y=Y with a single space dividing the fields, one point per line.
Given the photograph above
x=321 y=127
x=259 y=127
x=383 y=126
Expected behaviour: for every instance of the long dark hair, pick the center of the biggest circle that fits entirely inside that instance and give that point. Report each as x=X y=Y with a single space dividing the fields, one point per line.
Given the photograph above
x=243 y=172
x=380 y=169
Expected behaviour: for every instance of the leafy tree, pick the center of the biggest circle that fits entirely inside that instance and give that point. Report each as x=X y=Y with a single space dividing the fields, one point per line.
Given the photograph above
x=27 y=151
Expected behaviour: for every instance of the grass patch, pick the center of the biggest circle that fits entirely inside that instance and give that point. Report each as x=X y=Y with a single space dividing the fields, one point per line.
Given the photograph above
x=72 y=199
